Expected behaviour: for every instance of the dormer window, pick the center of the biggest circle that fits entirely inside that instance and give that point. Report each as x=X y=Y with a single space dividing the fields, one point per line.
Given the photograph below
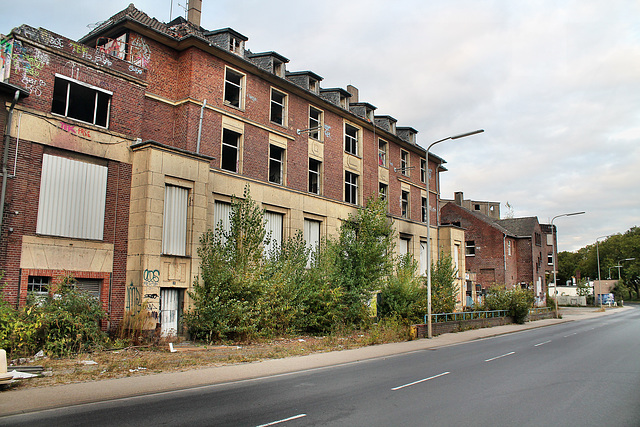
x=235 y=45
x=314 y=85
x=278 y=68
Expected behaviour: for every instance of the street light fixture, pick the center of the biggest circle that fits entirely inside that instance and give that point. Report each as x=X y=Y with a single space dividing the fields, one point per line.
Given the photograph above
x=598 y=260
x=462 y=135
x=619 y=266
x=554 y=255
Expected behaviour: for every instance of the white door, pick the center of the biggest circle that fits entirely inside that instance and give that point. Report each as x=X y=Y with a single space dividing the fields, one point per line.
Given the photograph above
x=168 y=311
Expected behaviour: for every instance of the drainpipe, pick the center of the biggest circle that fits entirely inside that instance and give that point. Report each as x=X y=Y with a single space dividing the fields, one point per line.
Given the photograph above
x=504 y=255
x=204 y=105
x=5 y=156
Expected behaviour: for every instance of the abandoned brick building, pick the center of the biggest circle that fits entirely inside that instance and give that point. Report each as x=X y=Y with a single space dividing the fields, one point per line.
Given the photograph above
x=512 y=251
x=133 y=140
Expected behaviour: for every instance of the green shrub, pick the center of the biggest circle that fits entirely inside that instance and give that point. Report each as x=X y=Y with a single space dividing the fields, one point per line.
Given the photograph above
x=61 y=325
x=517 y=301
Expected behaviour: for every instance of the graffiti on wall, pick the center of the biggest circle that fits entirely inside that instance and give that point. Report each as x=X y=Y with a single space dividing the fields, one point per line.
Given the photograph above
x=140 y=52
x=151 y=277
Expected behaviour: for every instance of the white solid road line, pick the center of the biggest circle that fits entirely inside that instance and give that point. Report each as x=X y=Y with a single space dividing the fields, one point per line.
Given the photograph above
x=295 y=417
x=419 y=381
x=498 y=357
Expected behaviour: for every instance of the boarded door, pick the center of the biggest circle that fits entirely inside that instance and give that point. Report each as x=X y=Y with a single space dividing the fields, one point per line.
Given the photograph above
x=169 y=302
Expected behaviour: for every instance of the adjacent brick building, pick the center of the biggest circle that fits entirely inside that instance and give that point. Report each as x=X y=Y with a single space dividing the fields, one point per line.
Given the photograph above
x=511 y=252
x=168 y=121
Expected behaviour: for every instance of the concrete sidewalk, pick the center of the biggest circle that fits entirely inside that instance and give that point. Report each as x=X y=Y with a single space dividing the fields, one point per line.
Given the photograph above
x=34 y=399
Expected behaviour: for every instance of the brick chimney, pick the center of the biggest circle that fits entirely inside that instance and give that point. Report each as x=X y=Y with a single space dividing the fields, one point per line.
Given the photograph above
x=194 y=11
x=354 y=93
x=458 y=195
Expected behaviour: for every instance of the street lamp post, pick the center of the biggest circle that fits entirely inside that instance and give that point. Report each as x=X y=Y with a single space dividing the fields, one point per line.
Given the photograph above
x=429 y=327
x=598 y=261
x=619 y=266
x=554 y=254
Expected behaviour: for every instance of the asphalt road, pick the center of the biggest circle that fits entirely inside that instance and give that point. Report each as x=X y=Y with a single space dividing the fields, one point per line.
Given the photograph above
x=583 y=373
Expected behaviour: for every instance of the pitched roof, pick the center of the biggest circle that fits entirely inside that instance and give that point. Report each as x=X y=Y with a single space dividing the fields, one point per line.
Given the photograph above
x=520 y=227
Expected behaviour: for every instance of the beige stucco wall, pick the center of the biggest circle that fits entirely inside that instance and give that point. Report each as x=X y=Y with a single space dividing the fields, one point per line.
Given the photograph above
x=147 y=268
x=53 y=253
x=451 y=240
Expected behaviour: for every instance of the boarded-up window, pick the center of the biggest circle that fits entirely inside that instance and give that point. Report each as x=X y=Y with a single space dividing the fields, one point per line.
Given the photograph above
x=222 y=215
x=311 y=237
x=72 y=198
x=174 y=230
x=274 y=231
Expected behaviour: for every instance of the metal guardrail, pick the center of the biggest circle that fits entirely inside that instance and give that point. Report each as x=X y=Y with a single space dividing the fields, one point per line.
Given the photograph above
x=470 y=315
x=466 y=315
x=539 y=310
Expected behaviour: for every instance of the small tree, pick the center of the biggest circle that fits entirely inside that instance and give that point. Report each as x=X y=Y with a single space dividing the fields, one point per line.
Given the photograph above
x=363 y=257
x=444 y=289
x=225 y=295
x=402 y=295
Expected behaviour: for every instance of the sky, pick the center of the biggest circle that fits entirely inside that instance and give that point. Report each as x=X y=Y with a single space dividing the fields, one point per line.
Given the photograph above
x=555 y=84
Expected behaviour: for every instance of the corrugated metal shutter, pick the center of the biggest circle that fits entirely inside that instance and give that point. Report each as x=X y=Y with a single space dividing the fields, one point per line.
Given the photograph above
x=72 y=198
x=274 y=231
x=311 y=237
x=174 y=230
x=90 y=286
x=168 y=311
x=222 y=214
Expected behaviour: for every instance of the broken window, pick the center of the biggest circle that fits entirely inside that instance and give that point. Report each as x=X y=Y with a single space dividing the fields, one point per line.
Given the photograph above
x=230 y=159
x=351 y=139
x=233 y=88
x=276 y=164
x=314 y=176
x=404 y=163
x=80 y=101
x=382 y=153
x=350 y=187
x=278 y=107
x=424 y=209
x=383 y=189
x=315 y=123
x=470 y=248
x=404 y=204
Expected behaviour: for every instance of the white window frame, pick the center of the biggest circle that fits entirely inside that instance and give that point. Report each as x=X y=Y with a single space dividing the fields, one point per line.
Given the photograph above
x=404 y=162
x=276 y=164
x=382 y=152
x=278 y=106
x=424 y=209
x=316 y=124
x=233 y=87
x=470 y=248
x=229 y=148
x=405 y=198
x=317 y=174
x=383 y=190
x=351 y=187
x=423 y=170
x=60 y=79
x=351 y=142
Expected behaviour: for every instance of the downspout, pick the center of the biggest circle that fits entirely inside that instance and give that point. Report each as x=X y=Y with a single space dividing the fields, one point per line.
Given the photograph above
x=504 y=255
x=5 y=156
x=204 y=105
